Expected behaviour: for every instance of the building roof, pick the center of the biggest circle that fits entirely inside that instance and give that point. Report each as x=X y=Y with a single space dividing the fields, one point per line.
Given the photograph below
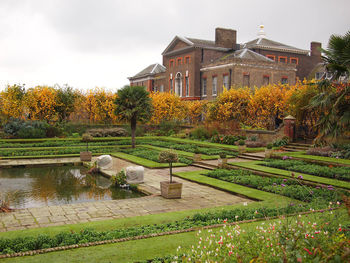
x=246 y=54
x=194 y=42
x=150 y=70
x=264 y=43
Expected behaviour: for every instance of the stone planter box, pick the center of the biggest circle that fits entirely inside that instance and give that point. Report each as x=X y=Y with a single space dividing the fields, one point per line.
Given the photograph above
x=85 y=156
x=222 y=162
x=268 y=153
x=241 y=149
x=171 y=190
x=197 y=157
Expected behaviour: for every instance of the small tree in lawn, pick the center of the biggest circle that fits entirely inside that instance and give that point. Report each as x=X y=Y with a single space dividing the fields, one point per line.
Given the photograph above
x=169 y=157
x=133 y=104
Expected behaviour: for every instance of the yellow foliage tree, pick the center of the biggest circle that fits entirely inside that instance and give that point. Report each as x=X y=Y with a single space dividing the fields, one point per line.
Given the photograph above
x=167 y=107
x=11 y=101
x=99 y=105
x=268 y=104
x=231 y=105
x=195 y=109
x=41 y=103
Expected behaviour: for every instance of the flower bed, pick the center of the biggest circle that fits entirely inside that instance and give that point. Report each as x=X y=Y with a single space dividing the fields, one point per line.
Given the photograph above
x=22 y=244
x=292 y=188
x=150 y=154
x=55 y=151
x=340 y=173
x=187 y=147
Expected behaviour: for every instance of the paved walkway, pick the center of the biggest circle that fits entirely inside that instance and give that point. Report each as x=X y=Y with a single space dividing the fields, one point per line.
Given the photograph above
x=194 y=196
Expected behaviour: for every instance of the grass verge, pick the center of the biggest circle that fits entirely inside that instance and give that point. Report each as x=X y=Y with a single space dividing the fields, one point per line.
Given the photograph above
x=303 y=156
x=255 y=165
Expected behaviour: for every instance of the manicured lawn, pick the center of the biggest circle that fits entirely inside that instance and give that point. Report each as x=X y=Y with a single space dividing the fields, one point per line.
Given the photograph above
x=137 y=250
x=144 y=162
x=304 y=156
x=271 y=199
x=255 y=165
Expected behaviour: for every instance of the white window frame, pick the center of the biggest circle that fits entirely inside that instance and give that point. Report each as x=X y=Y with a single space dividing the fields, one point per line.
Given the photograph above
x=214 y=86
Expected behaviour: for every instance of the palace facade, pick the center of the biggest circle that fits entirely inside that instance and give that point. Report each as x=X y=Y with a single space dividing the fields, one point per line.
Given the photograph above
x=198 y=69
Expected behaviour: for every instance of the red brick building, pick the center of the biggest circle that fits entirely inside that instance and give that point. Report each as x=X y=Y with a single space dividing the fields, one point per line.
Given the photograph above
x=199 y=69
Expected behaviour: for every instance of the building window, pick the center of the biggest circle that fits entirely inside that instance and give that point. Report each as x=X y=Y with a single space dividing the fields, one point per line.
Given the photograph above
x=225 y=81
x=178 y=84
x=204 y=87
x=294 y=61
x=284 y=80
x=161 y=88
x=171 y=85
x=282 y=59
x=178 y=61
x=171 y=63
x=215 y=85
x=266 y=80
x=187 y=86
x=187 y=60
x=246 y=80
x=271 y=57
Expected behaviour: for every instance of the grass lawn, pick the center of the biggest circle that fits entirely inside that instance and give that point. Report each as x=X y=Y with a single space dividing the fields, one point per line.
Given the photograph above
x=268 y=198
x=302 y=155
x=255 y=165
x=144 y=162
x=136 y=250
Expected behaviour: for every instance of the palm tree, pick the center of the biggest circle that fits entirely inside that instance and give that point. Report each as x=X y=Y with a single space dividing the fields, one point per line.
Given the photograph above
x=333 y=97
x=133 y=104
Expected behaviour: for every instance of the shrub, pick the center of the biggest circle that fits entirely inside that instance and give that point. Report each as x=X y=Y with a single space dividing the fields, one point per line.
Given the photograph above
x=26 y=129
x=119 y=178
x=320 y=151
x=108 y=132
x=281 y=142
x=254 y=144
x=269 y=146
x=200 y=133
x=241 y=142
x=167 y=128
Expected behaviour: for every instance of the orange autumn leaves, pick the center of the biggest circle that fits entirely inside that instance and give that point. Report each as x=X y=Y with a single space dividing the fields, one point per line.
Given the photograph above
x=169 y=107
x=257 y=109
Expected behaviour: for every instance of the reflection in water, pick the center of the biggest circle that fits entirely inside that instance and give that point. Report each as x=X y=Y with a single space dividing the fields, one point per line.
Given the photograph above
x=40 y=186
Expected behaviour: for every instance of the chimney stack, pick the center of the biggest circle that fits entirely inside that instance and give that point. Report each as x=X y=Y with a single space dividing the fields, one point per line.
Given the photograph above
x=316 y=49
x=225 y=38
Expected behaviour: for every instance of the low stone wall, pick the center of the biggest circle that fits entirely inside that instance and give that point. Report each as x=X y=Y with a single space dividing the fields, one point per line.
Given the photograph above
x=263 y=135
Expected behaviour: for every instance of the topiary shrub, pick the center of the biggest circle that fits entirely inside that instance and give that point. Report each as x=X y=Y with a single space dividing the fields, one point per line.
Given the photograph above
x=87 y=138
x=169 y=157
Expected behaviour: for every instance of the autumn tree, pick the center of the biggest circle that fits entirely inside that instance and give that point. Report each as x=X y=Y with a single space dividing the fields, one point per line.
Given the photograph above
x=268 y=104
x=167 y=107
x=41 y=103
x=133 y=104
x=99 y=105
x=11 y=101
x=231 y=105
x=66 y=98
x=194 y=110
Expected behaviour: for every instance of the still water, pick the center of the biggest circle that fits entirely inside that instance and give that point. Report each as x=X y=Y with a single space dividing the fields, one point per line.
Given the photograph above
x=41 y=186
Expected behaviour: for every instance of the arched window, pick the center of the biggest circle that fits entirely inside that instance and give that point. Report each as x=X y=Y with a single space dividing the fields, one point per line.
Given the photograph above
x=178 y=84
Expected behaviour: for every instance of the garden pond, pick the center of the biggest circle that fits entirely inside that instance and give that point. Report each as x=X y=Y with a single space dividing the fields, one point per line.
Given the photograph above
x=56 y=185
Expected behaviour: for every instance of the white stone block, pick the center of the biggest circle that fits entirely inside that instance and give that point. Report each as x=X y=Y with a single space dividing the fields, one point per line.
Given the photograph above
x=134 y=174
x=104 y=162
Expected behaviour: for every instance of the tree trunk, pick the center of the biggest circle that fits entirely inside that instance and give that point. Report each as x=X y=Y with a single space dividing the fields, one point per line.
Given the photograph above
x=133 y=131
x=171 y=172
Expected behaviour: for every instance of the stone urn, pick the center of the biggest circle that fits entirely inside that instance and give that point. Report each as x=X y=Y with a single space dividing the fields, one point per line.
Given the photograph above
x=197 y=157
x=268 y=151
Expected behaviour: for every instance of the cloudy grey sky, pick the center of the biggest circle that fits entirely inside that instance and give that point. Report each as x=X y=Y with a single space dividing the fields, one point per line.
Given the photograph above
x=89 y=43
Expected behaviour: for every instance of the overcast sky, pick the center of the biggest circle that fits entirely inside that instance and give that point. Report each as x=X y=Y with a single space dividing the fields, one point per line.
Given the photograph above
x=89 y=43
